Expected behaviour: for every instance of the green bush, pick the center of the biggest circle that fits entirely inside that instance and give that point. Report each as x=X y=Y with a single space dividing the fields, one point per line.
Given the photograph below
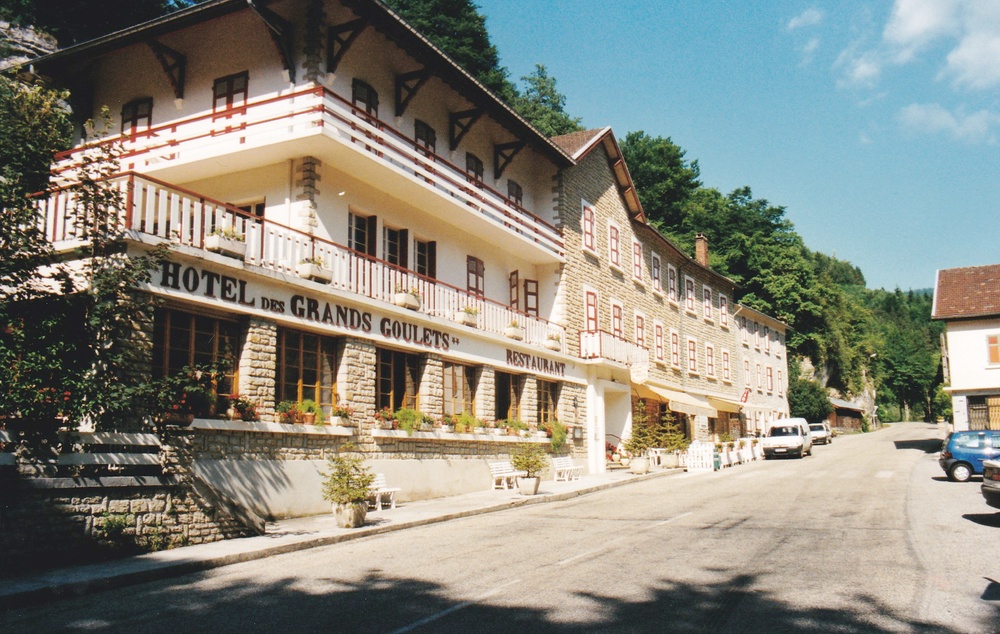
x=348 y=480
x=528 y=457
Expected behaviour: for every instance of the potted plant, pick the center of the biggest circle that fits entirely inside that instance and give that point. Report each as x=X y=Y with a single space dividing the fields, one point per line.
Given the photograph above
x=288 y=412
x=241 y=408
x=186 y=395
x=313 y=268
x=530 y=458
x=553 y=342
x=346 y=486
x=411 y=420
x=227 y=241
x=557 y=434
x=343 y=414
x=514 y=427
x=386 y=419
x=407 y=298
x=467 y=316
x=514 y=330
x=312 y=413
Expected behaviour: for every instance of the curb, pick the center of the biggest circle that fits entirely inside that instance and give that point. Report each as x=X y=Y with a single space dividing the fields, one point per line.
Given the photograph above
x=152 y=571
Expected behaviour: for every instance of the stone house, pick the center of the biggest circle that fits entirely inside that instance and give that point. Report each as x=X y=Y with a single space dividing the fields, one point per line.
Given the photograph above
x=763 y=360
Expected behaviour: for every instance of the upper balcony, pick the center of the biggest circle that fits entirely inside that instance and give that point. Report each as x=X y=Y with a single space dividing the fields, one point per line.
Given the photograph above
x=610 y=347
x=156 y=209
x=318 y=122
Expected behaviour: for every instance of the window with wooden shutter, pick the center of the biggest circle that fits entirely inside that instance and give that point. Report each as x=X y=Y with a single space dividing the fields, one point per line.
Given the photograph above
x=475 y=276
x=515 y=290
x=591 y=308
x=531 y=297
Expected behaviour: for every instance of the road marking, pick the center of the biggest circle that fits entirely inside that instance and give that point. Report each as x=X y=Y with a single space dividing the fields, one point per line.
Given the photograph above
x=454 y=608
x=885 y=475
x=606 y=545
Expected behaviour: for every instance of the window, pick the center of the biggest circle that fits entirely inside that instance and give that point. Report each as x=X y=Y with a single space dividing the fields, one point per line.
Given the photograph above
x=726 y=374
x=769 y=371
x=425 y=136
x=692 y=356
x=637 y=260
x=756 y=334
x=640 y=330
x=706 y=308
x=709 y=360
x=398 y=379
x=993 y=349
x=767 y=339
x=395 y=246
x=746 y=372
x=474 y=169
x=743 y=329
x=255 y=208
x=475 y=276
x=137 y=116
x=307 y=368
x=658 y=341
x=588 y=226
x=459 y=389
x=655 y=274
x=548 y=401
x=426 y=258
x=675 y=349
x=617 y=327
x=515 y=290
x=361 y=233
x=614 y=246
x=760 y=378
x=781 y=384
x=508 y=396
x=515 y=193
x=186 y=340
x=689 y=294
x=531 y=297
x=672 y=284
x=365 y=97
x=723 y=311
x=230 y=92
x=590 y=301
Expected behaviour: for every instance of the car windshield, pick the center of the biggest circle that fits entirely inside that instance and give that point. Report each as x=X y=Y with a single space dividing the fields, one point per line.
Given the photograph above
x=816 y=427
x=784 y=431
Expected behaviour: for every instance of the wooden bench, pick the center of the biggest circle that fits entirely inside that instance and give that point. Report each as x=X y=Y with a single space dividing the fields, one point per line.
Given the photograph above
x=564 y=469
x=380 y=493
x=504 y=475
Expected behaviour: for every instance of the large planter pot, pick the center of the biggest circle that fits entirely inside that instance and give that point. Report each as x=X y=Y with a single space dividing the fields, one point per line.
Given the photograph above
x=514 y=332
x=553 y=344
x=350 y=515
x=528 y=486
x=670 y=461
x=314 y=272
x=639 y=465
x=226 y=246
x=406 y=300
x=467 y=319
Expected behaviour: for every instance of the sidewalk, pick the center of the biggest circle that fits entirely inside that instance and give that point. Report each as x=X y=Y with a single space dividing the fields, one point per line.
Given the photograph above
x=291 y=535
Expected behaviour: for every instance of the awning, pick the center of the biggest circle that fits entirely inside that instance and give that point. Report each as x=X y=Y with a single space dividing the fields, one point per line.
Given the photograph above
x=724 y=405
x=643 y=391
x=686 y=403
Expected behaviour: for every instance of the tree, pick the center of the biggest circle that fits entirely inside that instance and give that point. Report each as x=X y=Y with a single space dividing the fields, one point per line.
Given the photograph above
x=808 y=400
x=544 y=106
x=663 y=179
x=74 y=22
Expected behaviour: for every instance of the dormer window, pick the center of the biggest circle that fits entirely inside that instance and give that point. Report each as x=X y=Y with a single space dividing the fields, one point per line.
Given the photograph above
x=364 y=97
x=137 y=116
x=230 y=92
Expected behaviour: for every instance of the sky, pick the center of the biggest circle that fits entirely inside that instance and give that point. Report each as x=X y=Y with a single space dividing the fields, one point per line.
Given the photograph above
x=874 y=124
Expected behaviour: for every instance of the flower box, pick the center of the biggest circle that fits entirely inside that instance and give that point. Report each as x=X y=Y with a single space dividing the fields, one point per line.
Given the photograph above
x=514 y=332
x=467 y=319
x=314 y=272
x=406 y=300
x=230 y=247
x=553 y=344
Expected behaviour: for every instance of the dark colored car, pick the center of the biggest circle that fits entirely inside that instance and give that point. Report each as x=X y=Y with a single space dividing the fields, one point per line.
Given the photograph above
x=963 y=452
x=991 y=483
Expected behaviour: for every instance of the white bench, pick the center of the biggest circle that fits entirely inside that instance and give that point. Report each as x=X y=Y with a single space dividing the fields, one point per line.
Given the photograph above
x=379 y=493
x=564 y=469
x=504 y=475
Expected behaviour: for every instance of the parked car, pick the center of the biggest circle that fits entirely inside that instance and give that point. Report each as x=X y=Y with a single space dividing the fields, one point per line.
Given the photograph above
x=991 y=483
x=820 y=433
x=787 y=437
x=963 y=452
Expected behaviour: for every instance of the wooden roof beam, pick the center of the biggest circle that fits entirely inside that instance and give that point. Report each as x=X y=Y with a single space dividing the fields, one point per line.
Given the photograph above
x=459 y=124
x=407 y=86
x=339 y=40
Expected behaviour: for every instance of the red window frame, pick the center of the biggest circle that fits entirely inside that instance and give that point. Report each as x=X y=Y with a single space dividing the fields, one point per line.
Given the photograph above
x=655 y=274
x=590 y=300
x=640 y=330
x=725 y=365
x=689 y=293
x=993 y=349
x=658 y=341
x=614 y=245
x=692 y=356
x=617 y=315
x=589 y=229
x=723 y=310
x=706 y=306
x=230 y=92
x=137 y=116
x=637 y=259
x=672 y=284
x=709 y=360
x=675 y=349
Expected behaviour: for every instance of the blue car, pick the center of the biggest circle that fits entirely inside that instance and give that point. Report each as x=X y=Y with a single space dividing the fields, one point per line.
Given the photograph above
x=963 y=452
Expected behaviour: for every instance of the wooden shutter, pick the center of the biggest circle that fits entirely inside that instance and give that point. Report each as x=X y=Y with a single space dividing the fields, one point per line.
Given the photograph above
x=531 y=297
x=515 y=291
x=370 y=248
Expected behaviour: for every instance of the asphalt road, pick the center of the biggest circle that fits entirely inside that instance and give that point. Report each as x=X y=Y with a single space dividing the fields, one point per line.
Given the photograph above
x=866 y=535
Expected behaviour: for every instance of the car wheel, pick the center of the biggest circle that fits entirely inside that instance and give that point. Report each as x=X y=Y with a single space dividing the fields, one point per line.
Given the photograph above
x=960 y=472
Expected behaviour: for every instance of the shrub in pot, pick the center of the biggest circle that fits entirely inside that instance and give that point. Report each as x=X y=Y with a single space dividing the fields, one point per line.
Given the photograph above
x=346 y=486
x=530 y=458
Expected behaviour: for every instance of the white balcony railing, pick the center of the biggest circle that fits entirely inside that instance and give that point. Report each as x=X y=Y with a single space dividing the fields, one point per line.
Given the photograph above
x=604 y=345
x=279 y=119
x=183 y=217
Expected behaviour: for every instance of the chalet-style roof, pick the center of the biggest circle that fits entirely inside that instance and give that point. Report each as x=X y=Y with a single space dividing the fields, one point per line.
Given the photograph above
x=967 y=293
x=576 y=144
x=840 y=403
x=374 y=13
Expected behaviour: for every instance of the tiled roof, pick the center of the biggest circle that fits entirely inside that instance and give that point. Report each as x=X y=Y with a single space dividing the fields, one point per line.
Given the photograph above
x=575 y=141
x=968 y=292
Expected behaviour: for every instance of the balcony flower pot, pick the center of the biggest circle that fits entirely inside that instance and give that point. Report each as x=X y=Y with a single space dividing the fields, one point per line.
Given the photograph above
x=514 y=332
x=466 y=319
x=314 y=272
x=406 y=300
x=224 y=245
x=553 y=344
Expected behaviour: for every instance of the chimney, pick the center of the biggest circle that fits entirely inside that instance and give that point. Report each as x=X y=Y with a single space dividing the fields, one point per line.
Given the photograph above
x=701 y=249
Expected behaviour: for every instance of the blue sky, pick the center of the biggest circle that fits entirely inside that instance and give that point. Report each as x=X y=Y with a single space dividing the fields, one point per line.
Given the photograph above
x=875 y=124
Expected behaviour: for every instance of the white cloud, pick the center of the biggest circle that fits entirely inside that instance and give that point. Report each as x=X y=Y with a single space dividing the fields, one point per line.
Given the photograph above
x=975 y=127
x=914 y=24
x=809 y=17
x=809 y=51
x=860 y=69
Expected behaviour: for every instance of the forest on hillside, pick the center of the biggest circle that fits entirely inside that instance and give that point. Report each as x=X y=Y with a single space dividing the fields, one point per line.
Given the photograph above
x=843 y=337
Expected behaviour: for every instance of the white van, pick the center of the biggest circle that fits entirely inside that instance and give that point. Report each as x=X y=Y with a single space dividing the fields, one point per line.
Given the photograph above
x=787 y=437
